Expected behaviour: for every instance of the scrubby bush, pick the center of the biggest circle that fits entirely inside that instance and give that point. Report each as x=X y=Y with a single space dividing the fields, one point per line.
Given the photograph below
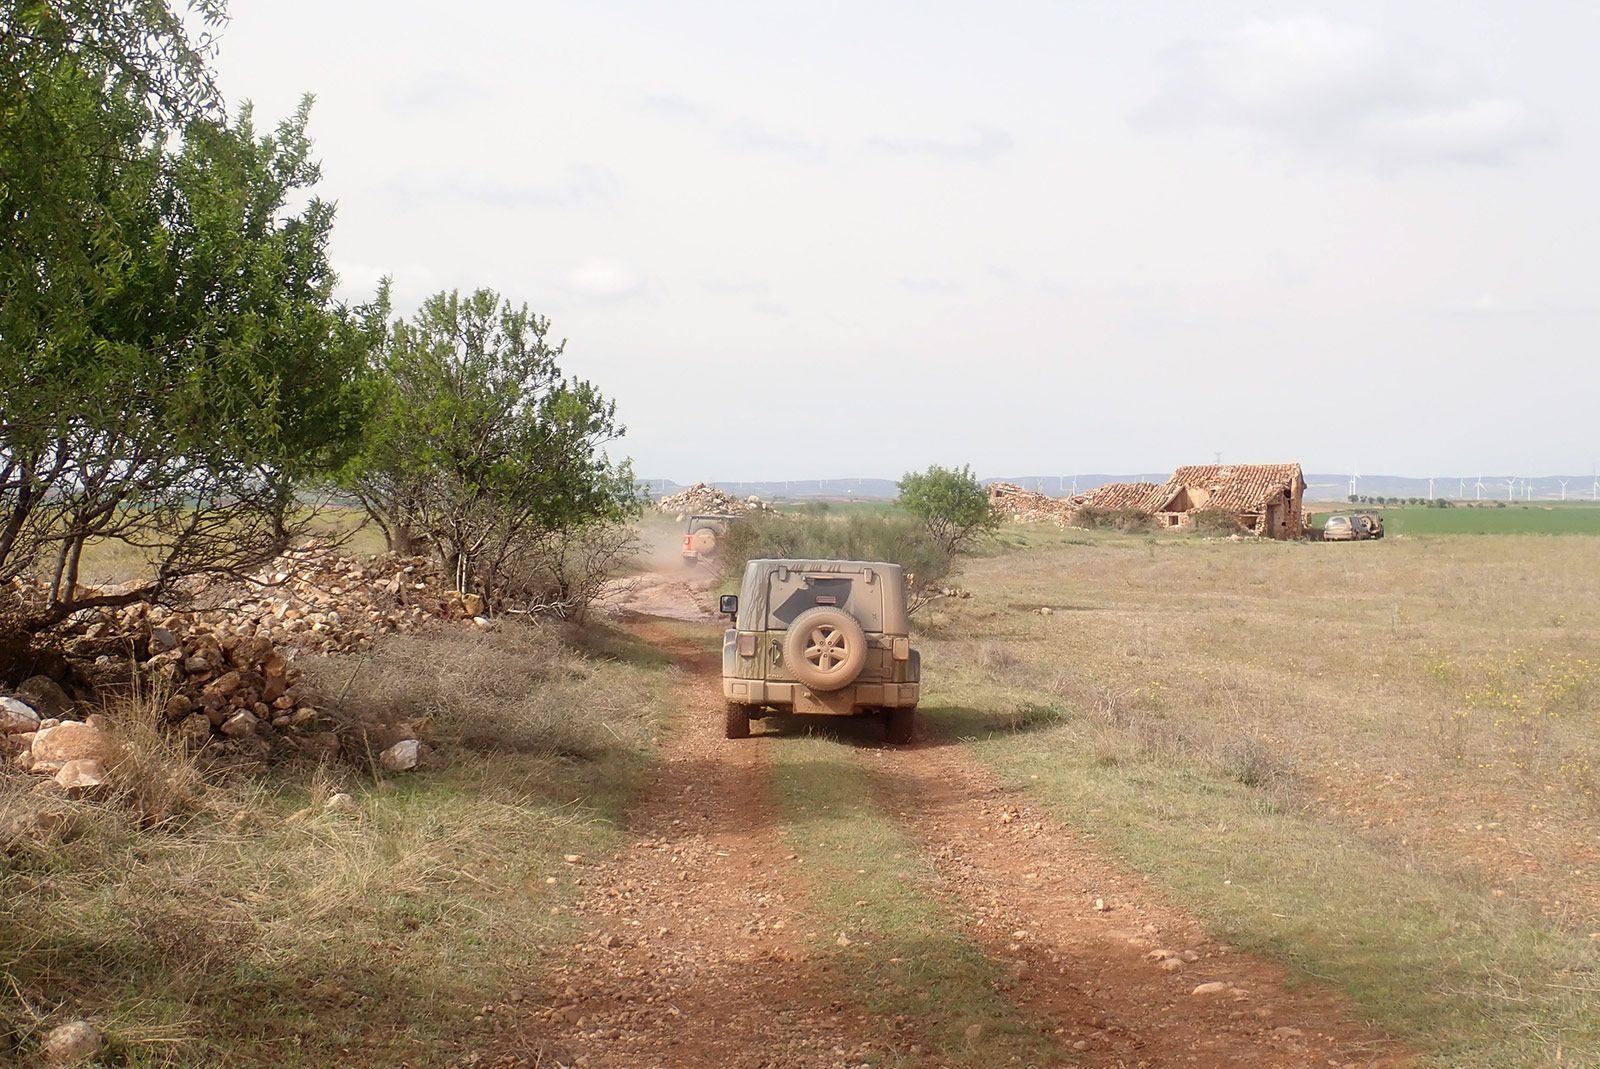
x=1104 y=519
x=562 y=572
x=1217 y=522
x=890 y=536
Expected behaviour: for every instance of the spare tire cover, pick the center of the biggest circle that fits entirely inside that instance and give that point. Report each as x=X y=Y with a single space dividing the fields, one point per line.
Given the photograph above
x=825 y=648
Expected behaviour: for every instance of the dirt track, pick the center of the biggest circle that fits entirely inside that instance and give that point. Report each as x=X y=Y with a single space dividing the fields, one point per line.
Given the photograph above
x=692 y=950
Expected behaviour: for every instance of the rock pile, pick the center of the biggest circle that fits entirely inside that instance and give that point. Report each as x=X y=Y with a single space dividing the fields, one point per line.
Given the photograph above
x=228 y=687
x=703 y=499
x=75 y=752
x=235 y=694
x=318 y=598
x=1012 y=502
x=226 y=697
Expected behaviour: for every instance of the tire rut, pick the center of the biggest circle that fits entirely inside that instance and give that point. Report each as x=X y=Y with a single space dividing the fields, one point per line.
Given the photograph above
x=1028 y=888
x=690 y=950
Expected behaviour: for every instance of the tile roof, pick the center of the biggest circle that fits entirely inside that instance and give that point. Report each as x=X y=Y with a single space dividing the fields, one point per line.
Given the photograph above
x=1142 y=497
x=1234 y=487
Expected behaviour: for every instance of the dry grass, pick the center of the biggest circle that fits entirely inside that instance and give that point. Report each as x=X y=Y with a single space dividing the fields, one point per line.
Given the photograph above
x=1411 y=724
x=523 y=692
x=253 y=926
x=1418 y=687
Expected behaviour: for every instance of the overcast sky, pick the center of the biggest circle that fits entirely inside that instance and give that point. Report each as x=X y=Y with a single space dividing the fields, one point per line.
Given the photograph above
x=855 y=239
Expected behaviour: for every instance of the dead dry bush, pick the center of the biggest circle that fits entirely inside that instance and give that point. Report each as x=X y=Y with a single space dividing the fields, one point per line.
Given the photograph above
x=996 y=658
x=1251 y=763
x=518 y=689
x=561 y=573
x=154 y=777
x=1033 y=716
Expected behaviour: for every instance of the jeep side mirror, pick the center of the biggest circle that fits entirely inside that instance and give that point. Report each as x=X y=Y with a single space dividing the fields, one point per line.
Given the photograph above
x=728 y=605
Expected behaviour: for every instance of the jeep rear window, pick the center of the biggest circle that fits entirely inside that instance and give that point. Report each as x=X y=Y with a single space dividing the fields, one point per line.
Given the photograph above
x=854 y=594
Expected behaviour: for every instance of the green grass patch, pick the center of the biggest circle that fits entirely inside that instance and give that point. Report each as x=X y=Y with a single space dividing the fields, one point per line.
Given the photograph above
x=1530 y=518
x=869 y=881
x=1473 y=980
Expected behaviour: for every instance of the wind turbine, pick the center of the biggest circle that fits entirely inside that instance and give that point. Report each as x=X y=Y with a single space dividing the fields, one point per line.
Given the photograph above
x=1430 y=489
x=1511 y=488
x=1480 y=488
x=1355 y=477
x=1563 y=483
x=1461 y=489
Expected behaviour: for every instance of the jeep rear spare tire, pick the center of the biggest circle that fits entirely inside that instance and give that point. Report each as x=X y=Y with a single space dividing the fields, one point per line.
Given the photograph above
x=704 y=541
x=825 y=648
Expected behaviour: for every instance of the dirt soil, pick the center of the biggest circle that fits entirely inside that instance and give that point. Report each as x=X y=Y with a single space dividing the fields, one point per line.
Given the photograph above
x=692 y=948
x=1085 y=938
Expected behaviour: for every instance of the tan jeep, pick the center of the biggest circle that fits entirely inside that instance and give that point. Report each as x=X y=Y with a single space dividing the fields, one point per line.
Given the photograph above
x=827 y=637
x=701 y=537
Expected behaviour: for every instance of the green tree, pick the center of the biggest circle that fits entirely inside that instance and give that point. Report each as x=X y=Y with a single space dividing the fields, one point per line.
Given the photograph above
x=953 y=506
x=89 y=91
x=478 y=446
x=171 y=356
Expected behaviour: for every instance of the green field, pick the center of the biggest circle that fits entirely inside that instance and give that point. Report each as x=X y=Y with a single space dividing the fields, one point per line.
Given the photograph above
x=1571 y=519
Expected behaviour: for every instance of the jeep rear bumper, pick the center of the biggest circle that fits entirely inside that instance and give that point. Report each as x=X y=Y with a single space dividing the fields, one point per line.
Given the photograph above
x=796 y=697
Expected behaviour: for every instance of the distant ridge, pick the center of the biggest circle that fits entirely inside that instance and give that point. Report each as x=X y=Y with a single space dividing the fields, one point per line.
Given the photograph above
x=1319 y=486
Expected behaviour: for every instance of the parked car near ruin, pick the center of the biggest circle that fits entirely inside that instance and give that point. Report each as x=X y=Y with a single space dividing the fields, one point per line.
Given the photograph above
x=827 y=637
x=1352 y=527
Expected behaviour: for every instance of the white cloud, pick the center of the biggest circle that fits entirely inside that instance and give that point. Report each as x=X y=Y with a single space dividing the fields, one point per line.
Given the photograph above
x=1344 y=91
x=748 y=135
x=674 y=106
x=605 y=280
x=986 y=143
x=437 y=90
x=579 y=186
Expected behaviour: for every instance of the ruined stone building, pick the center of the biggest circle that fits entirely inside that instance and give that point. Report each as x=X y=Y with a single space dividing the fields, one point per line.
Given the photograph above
x=1267 y=498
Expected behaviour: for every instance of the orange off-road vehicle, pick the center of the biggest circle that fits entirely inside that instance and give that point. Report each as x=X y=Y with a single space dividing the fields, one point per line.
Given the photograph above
x=828 y=637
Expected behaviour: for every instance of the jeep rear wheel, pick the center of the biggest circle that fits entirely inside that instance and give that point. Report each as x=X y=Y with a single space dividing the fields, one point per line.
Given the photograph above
x=897 y=726
x=704 y=541
x=738 y=725
x=825 y=648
